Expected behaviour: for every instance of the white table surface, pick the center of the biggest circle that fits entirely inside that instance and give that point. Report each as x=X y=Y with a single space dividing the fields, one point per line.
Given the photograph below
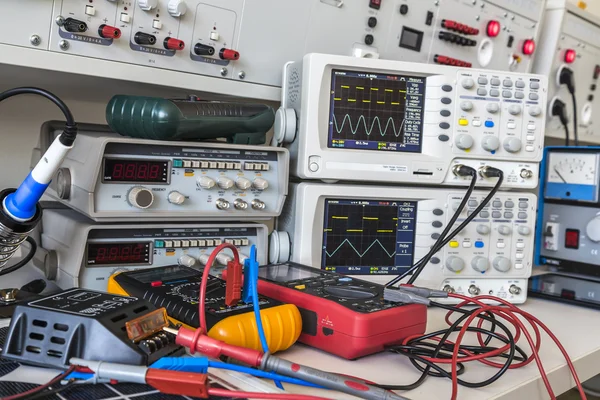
x=577 y=328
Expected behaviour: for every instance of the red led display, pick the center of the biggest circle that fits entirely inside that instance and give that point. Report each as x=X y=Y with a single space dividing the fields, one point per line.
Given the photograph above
x=118 y=170
x=572 y=238
x=118 y=253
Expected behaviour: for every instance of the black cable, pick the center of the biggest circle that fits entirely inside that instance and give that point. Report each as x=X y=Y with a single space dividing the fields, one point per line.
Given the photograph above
x=490 y=173
x=25 y=260
x=566 y=134
x=70 y=131
x=575 y=134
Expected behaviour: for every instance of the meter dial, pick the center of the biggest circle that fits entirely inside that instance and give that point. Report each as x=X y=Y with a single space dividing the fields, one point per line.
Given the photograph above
x=572 y=176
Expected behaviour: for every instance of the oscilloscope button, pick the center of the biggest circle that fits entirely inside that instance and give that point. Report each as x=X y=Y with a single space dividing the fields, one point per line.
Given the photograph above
x=437 y=211
x=444 y=125
x=434 y=260
x=437 y=224
x=443 y=138
x=435 y=236
x=447 y=88
x=445 y=113
x=446 y=100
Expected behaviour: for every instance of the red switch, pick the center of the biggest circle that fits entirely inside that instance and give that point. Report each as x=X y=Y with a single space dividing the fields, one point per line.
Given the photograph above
x=173 y=44
x=375 y=4
x=109 y=32
x=570 y=56
x=528 y=47
x=493 y=28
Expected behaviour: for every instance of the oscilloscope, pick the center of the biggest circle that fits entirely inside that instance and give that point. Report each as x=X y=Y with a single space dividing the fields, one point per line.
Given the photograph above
x=377 y=232
x=409 y=122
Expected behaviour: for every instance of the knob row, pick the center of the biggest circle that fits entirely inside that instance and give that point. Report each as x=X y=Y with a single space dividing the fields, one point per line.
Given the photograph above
x=206 y=182
x=143 y=198
x=221 y=258
x=479 y=264
x=493 y=108
x=489 y=143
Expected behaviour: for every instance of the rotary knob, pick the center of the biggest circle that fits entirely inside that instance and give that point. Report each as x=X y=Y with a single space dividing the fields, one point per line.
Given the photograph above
x=176 y=198
x=243 y=183
x=140 y=197
x=455 y=264
x=592 y=230
x=203 y=259
x=466 y=106
x=483 y=229
x=464 y=142
x=177 y=8
x=223 y=259
x=504 y=230
x=490 y=143
x=535 y=111
x=260 y=184
x=148 y=5
x=501 y=264
x=468 y=83
x=514 y=109
x=225 y=183
x=205 y=182
x=186 y=261
x=524 y=230
x=480 y=264
x=512 y=144
x=492 y=108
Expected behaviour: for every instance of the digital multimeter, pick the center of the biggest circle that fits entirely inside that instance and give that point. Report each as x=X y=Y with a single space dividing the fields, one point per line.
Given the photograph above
x=177 y=289
x=344 y=316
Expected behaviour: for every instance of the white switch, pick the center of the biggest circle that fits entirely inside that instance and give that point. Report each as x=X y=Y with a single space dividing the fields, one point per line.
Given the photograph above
x=500 y=245
x=519 y=256
x=511 y=125
x=125 y=17
x=214 y=36
x=476 y=123
x=466 y=244
x=520 y=245
x=529 y=148
x=530 y=137
x=531 y=127
x=90 y=10
x=518 y=266
x=156 y=24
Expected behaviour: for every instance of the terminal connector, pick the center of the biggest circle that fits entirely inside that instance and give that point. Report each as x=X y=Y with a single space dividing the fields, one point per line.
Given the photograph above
x=203 y=50
x=489 y=172
x=74 y=25
x=142 y=39
x=109 y=32
x=462 y=170
x=173 y=44
x=228 y=54
x=233 y=288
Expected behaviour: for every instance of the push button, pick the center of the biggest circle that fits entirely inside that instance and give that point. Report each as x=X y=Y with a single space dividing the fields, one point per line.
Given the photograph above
x=454 y=244
x=479 y=244
x=489 y=124
x=463 y=122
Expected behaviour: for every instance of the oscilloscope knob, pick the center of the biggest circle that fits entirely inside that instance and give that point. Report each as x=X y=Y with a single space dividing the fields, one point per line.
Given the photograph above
x=285 y=125
x=455 y=264
x=225 y=182
x=140 y=197
x=243 y=183
x=205 y=182
x=483 y=229
x=501 y=264
x=260 y=184
x=490 y=143
x=504 y=230
x=512 y=144
x=468 y=83
x=464 y=142
x=480 y=264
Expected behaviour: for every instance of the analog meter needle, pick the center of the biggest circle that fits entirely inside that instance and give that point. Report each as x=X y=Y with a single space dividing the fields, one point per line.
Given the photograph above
x=559 y=175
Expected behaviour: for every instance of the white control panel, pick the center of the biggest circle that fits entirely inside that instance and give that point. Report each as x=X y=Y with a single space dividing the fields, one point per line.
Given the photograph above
x=112 y=178
x=379 y=232
x=85 y=254
x=569 y=42
x=250 y=40
x=408 y=122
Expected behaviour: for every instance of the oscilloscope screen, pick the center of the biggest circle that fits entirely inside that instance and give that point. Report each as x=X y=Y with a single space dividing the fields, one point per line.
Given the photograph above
x=376 y=112
x=368 y=237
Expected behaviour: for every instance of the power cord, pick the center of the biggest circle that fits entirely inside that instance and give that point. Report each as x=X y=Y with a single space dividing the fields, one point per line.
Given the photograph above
x=567 y=77
x=559 y=109
x=487 y=172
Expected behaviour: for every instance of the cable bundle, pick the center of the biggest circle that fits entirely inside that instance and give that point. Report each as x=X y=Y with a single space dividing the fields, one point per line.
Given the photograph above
x=430 y=352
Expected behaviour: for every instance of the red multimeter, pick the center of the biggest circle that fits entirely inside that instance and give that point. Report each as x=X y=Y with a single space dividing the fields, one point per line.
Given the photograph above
x=341 y=315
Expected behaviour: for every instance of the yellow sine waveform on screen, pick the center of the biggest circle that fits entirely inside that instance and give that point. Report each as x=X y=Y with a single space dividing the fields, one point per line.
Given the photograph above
x=354 y=230
x=385 y=230
x=371 y=218
x=394 y=103
x=360 y=88
x=345 y=87
x=337 y=98
x=338 y=217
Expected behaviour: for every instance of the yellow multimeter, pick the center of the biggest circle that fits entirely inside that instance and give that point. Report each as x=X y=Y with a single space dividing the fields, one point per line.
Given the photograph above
x=177 y=289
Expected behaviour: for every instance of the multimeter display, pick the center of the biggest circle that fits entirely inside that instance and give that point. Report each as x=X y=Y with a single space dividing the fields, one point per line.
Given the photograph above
x=164 y=274
x=286 y=273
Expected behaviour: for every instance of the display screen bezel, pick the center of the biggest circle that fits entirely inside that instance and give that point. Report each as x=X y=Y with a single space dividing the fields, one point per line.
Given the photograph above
x=148 y=244
x=377 y=147
x=393 y=269
x=166 y=169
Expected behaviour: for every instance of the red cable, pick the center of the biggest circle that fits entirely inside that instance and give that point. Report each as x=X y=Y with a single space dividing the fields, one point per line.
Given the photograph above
x=38 y=389
x=510 y=313
x=202 y=295
x=250 y=395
